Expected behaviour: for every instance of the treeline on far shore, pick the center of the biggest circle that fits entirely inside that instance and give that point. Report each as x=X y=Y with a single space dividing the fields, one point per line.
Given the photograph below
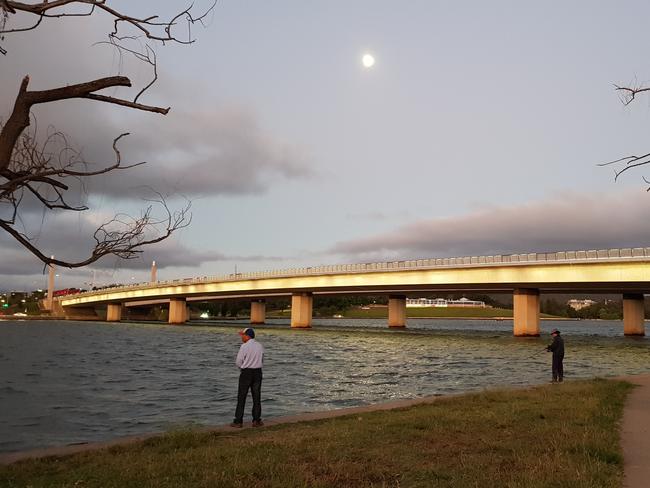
x=604 y=309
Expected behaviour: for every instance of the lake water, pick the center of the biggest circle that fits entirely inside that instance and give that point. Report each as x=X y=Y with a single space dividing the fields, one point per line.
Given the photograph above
x=71 y=382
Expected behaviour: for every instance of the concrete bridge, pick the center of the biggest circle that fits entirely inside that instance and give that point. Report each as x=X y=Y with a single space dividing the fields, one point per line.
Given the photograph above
x=624 y=271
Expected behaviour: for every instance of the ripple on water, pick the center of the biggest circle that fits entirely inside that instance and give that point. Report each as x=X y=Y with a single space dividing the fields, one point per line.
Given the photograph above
x=82 y=382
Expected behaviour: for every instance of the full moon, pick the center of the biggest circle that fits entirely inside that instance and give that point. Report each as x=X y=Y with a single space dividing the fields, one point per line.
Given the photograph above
x=368 y=60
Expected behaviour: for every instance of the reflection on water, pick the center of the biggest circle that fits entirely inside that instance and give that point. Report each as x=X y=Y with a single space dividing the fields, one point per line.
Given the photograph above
x=67 y=382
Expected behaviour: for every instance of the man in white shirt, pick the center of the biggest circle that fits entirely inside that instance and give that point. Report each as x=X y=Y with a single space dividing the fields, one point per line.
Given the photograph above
x=249 y=361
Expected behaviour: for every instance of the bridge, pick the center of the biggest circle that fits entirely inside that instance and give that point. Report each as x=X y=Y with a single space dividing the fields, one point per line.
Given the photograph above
x=625 y=271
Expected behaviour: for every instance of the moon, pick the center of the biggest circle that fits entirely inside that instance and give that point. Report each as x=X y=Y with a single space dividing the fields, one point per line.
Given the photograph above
x=368 y=60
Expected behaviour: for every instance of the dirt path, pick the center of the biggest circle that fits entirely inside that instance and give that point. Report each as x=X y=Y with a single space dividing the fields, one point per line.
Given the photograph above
x=635 y=433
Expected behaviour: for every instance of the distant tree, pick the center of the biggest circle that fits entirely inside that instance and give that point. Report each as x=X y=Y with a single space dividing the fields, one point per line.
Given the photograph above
x=606 y=310
x=277 y=303
x=239 y=307
x=212 y=308
x=42 y=170
x=555 y=307
x=330 y=305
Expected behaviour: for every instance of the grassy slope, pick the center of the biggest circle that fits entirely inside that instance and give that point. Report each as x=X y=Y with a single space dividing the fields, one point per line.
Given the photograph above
x=414 y=312
x=422 y=312
x=559 y=435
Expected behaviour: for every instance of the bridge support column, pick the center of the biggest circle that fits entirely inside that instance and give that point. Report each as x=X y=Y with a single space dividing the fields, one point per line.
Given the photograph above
x=75 y=313
x=301 y=310
x=396 y=311
x=57 y=310
x=526 y=312
x=114 y=312
x=177 y=311
x=633 y=314
x=258 y=312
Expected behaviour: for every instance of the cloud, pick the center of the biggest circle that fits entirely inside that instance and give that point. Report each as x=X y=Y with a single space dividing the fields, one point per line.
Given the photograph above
x=375 y=215
x=564 y=222
x=189 y=152
x=203 y=147
x=17 y=262
x=20 y=270
x=171 y=253
x=201 y=153
x=70 y=238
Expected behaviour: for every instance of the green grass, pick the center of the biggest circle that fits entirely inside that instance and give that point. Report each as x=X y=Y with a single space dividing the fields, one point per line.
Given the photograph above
x=553 y=436
x=442 y=312
x=419 y=312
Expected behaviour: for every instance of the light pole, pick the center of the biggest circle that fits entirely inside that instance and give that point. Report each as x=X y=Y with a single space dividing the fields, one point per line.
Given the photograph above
x=50 y=287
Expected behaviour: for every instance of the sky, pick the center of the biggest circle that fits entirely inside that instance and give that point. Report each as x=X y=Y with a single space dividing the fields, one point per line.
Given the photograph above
x=479 y=130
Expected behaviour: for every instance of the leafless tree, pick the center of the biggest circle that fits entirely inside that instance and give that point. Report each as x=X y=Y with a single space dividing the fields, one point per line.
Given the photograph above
x=627 y=95
x=43 y=170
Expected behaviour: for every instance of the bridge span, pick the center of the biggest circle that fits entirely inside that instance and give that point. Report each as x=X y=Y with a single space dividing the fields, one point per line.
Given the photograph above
x=624 y=271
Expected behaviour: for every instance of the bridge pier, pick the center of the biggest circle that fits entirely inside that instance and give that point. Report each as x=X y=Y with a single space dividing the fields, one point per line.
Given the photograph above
x=397 y=311
x=57 y=310
x=258 y=312
x=114 y=312
x=75 y=313
x=301 y=310
x=633 y=314
x=526 y=312
x=177 y=311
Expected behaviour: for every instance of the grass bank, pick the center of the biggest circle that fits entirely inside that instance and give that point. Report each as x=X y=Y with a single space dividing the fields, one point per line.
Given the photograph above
x=430 y=312
x=422 y=312
x=416 y=312
x=557 y=435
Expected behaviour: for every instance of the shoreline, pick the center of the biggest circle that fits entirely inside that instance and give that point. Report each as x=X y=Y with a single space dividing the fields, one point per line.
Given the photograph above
x=82 y=447
x=9 y=318
x=64 y=450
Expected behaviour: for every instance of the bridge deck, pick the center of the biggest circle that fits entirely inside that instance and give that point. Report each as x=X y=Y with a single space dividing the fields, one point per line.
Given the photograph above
x=607 y=271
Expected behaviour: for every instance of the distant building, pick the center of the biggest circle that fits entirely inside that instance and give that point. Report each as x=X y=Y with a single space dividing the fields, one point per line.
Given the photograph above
x=576 y=304
x=441 y=302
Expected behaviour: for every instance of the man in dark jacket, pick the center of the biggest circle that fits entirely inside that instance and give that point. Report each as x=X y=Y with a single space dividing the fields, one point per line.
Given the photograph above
x=557 y=348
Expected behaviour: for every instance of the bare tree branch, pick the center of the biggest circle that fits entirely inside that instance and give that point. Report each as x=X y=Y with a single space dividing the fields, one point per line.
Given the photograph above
x=628 y=95
x=151 y=27
x=19 y=118
x=122 y=236
x=44 y=170
x=126 y=103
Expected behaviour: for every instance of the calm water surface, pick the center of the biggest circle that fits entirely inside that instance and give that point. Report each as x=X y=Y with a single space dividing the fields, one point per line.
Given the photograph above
x=71 y=382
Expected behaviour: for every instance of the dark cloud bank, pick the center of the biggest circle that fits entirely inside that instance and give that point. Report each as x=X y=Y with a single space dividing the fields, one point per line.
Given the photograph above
x=563 y=222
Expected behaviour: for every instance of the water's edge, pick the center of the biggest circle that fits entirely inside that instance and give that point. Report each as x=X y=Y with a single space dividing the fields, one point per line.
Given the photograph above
x=78 y=382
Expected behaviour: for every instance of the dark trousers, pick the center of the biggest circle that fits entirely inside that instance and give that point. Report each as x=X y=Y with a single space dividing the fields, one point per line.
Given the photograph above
x=558 y=368
x=249 y=378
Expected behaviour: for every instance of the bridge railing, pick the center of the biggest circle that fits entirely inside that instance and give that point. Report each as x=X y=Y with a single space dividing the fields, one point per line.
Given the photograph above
x=639 y=253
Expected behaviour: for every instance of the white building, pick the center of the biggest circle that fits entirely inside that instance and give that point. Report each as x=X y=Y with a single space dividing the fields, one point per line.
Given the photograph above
x=576 y=304
x=441 y=302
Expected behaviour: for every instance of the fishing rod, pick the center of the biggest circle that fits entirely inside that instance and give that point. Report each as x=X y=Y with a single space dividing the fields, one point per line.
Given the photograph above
x=533 y=356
